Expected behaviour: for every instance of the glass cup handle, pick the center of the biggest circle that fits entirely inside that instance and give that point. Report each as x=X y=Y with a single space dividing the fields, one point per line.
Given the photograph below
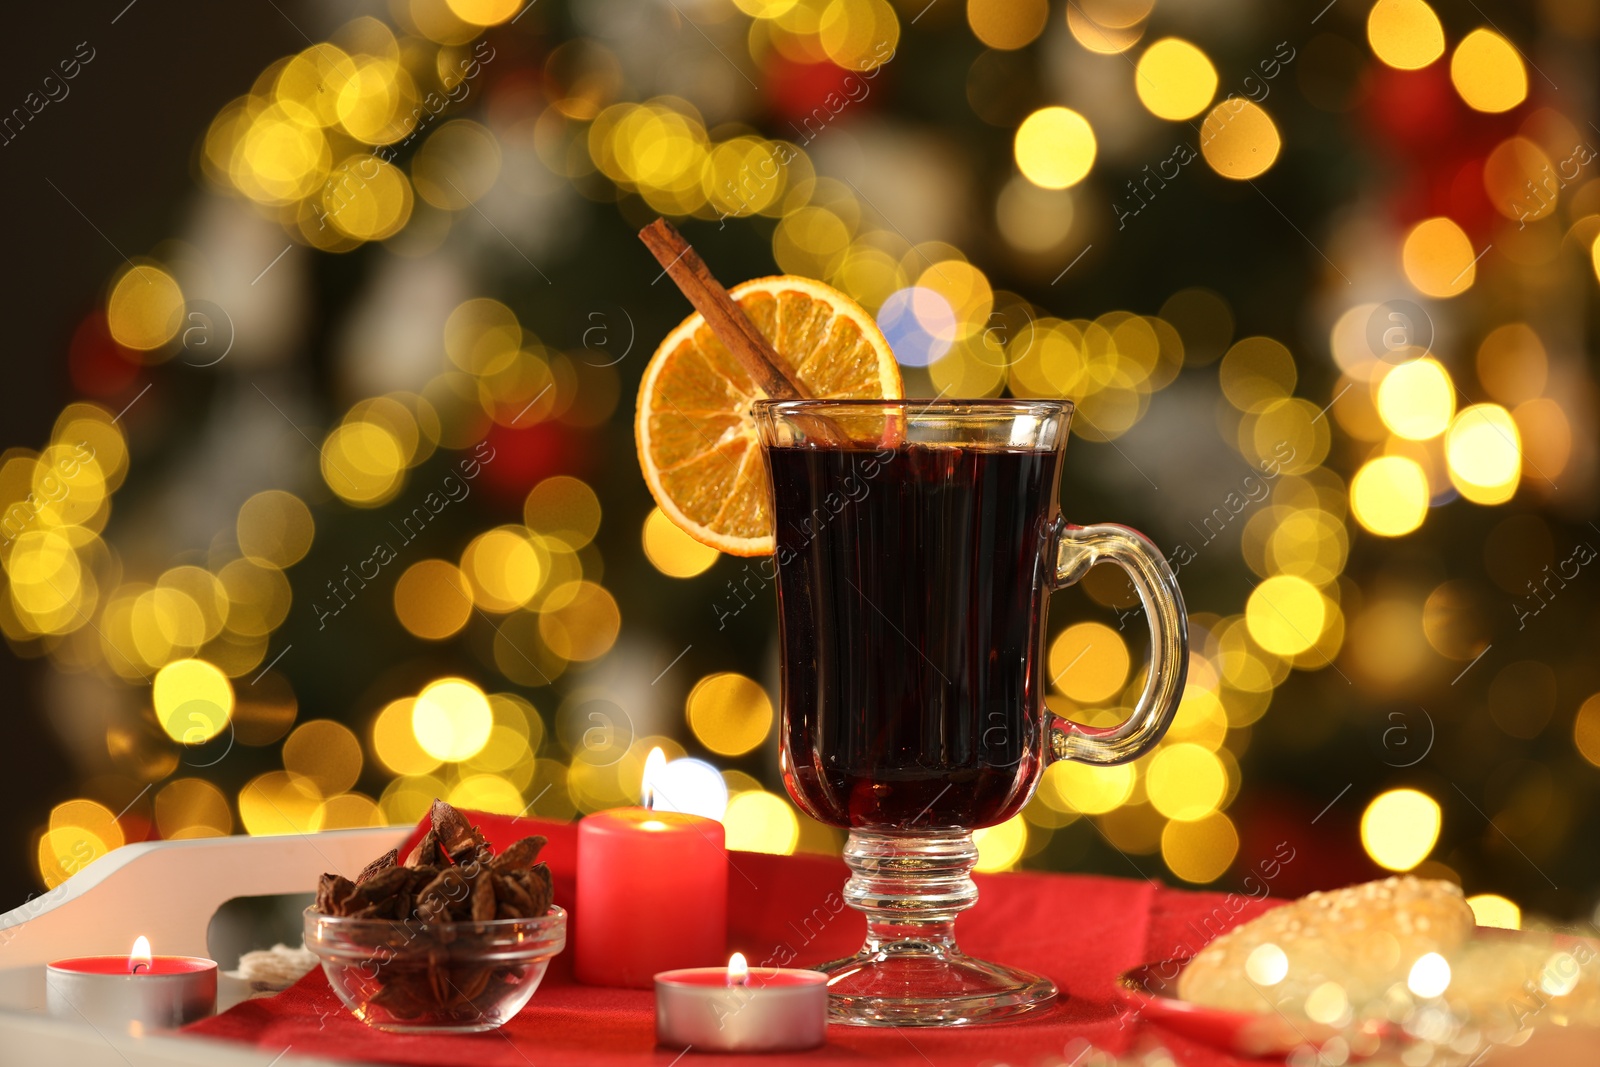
x=1079 y=548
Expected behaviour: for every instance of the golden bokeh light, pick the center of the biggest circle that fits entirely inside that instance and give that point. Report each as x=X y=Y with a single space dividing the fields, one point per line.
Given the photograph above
x=1239 y=139
x=673 y=552
x=1417 y=400
x=1308 y=542
x=433 y=599
x=48 y=580
x=859 y=34
x=1438 y=258
x=1547 y=441
x=485 y=12
x=1286 y=614
x=505 y=567
x=1400 y=827
x=1484 y=449
x=1255 y=372
x=1090 y=790
x=1088 y=661
x=347 y=811
x=435 y=19
x=759 y=821
x=451 y=719
x=811 y=240
x=145 y=308
x=1116 y=14
x=91 y=817
x=278 y=802
x=1288 y=433
x=585 y=625
x=1055 y=147
x=1200 y=719
x=409 y=797
x=457 y=165
x=193 y=700
x=366 y=198
x=1389 y=495
x=1514 y=167
x=765 y=9
x=192 y=807
x=482 y=336
x=1488 y=73
x=168 y=624
x=966 y=293
x=1200 y=850
x=1186 y=781
x=66 y=850
x=374 y=105
x=325 y=753
x=1491 y=909
x=363 y=463
x=1001 y=847
x=729 y=713
x=507 y=754
x=258 y=597
x=487 y=792
x=302 y=85
x=1405 y=34
x=1174 y=79
x=1119 y=33
x=1586 y=730
x=275 y=528
x=274 y=158
x=1031 y=219
x=1512 y=363
x=1007 y=24
x=563 y=507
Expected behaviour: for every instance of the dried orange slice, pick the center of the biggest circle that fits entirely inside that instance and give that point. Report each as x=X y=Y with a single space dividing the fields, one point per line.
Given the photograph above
x=698 y=445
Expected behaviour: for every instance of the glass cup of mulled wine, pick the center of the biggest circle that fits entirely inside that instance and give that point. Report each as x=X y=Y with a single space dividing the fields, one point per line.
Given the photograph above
x=917 y=545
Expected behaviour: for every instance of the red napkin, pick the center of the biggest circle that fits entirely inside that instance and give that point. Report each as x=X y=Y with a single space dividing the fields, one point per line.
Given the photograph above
x=1080 y=930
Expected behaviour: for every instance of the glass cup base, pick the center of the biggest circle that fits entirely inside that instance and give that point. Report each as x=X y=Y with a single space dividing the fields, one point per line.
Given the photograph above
x=875 y=988
x=911 y=886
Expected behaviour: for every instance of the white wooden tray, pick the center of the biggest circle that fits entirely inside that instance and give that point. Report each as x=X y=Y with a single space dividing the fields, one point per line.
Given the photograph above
x=168 y=891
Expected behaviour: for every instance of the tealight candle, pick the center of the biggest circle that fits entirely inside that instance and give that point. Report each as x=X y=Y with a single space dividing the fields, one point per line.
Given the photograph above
x=652 y=892
x=740 y=1009
x=113 y=992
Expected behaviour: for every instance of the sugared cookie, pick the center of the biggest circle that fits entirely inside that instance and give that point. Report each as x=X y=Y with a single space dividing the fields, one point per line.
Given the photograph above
x=1346 y=946
x=1511 y=982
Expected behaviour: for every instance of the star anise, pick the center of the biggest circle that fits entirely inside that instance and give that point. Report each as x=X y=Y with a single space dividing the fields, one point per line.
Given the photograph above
x=451 y=876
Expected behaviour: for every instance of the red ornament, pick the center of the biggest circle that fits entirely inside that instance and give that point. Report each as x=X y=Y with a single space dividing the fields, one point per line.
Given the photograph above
x=1415 y=113
x=1439 y=144
x=98 y=365
x=809 y=97
x=523 y=457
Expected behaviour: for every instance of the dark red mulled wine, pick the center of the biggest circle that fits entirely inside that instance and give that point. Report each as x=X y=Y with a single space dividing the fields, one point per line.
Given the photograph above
x=910 y=593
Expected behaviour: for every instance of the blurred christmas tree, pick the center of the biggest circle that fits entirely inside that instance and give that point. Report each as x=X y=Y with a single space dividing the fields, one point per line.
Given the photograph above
x=1317 y=280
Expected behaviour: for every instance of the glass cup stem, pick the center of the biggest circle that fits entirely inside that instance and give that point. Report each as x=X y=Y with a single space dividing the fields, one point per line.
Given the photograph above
x=911 y=888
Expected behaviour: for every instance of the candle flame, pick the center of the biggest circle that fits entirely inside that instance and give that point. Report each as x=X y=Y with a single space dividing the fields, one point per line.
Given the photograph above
x=738 y=970
x=140 y=956
x=654 y=765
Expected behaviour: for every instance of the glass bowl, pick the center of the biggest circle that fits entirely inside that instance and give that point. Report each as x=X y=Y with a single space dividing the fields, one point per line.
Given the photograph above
x=442 y=977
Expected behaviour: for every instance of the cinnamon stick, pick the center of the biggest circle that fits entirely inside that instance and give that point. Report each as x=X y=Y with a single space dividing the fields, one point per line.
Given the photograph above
x=726 y=319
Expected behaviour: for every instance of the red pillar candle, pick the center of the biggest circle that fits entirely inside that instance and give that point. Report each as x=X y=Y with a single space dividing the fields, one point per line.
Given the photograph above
x=652 y=895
